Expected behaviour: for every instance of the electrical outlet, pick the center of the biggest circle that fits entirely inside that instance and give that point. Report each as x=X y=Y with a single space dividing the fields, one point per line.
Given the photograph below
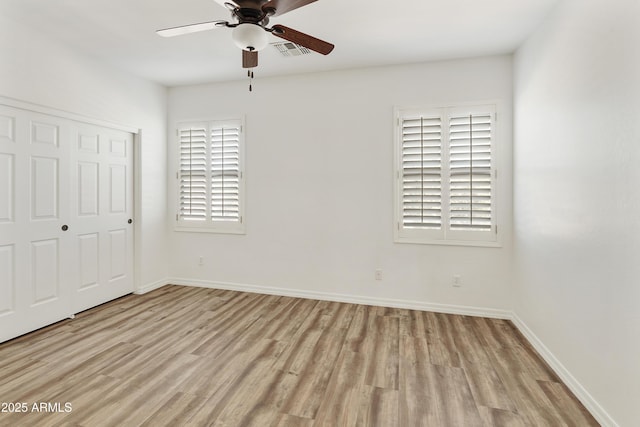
x=378 y=274
x=201 y=261
x=457 y=281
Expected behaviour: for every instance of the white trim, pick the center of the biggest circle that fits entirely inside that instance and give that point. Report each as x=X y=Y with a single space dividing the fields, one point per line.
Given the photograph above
x=37 y=108
x=443 y=242
x=137 y=208
x=151 y=286
x=565 y=375
x=353 y=299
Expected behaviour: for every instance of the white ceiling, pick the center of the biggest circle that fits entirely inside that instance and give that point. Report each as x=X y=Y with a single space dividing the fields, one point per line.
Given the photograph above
x=365 y=32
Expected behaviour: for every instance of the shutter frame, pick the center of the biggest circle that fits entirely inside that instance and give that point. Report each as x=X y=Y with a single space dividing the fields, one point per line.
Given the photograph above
x=467 y=177
x=212 y=176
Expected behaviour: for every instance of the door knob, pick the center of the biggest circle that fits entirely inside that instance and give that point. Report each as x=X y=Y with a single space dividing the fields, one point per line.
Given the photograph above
x=130 y=221
x=65 y=227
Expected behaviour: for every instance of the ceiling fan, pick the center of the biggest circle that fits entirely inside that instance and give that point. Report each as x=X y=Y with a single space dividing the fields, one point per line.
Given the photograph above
x=250 y=27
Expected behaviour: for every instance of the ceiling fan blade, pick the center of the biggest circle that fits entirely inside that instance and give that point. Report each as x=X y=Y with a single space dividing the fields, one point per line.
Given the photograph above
x=191 y=28
x=249 y=58
x=303 y=39
x=283 y=6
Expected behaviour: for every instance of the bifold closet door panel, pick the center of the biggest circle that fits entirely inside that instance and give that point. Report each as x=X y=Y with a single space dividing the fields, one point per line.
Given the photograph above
x=103 y=208
x=36 y=255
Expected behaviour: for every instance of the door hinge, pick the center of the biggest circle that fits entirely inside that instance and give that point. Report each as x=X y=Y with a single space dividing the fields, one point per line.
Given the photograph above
x=176 y=217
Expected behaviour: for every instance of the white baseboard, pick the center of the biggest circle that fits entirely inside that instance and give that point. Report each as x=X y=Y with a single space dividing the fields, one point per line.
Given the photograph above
x=569 y=380
x=151 y=286
x=354 y=299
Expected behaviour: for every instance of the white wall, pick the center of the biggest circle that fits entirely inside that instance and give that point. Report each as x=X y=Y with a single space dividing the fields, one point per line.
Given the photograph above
x=577 y=200
x=319 y=186
x=319 y=182
x=36 y=70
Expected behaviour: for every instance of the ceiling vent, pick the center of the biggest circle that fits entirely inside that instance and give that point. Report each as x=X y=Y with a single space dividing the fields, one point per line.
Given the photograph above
x=290 y=49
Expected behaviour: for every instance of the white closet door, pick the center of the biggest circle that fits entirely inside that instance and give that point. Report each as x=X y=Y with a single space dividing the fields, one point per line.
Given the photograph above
x=35 y=253
x=66 y=197
x=102 y=211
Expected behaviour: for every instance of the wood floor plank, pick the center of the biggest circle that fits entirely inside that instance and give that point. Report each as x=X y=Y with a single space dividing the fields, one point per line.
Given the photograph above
x=287 y=420
x=85 y=397
x=531 y=402
x=236 y=392
x=207 y=357
x=343 y=392
x=178 y=408
x=41 y=381
x=495 y=333
x=378 y=407
x=485 y=383
x=382 y=347
x=358 y=330
x=41 y=340
x=414 y=324
x=441 y=340
x=283 y=320
x=306 y=397
x=568 y=407
x=257 y=397
x=493 y=417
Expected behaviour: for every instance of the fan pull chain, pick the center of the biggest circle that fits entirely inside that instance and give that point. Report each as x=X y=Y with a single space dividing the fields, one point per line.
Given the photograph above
x=250 y=75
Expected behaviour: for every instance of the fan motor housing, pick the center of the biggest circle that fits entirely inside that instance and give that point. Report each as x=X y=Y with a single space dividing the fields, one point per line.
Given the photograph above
x=250 y=15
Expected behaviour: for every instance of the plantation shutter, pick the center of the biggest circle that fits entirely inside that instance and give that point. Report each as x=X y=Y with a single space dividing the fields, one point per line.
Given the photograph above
x=445 y=190
x=470 y=172
x=193 y=172
x=210 y=176
x=422 y=172
x=225 y=172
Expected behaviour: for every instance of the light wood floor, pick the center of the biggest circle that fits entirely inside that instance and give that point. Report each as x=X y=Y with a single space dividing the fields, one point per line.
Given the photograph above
x=190 y=356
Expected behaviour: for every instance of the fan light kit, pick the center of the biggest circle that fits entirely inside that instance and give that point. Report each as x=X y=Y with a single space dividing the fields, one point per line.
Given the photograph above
x=250 y=28
x=249 y=37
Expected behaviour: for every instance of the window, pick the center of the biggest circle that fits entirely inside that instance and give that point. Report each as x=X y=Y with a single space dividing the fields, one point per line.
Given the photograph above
x=446 y=175
x=210 y=176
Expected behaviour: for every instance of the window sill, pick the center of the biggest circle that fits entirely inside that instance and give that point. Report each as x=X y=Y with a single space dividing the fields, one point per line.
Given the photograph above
x=469 y=243
x=183 y=229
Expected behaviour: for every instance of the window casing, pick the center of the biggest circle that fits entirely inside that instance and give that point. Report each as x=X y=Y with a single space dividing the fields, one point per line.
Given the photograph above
x=446 y=175
x=210 y=176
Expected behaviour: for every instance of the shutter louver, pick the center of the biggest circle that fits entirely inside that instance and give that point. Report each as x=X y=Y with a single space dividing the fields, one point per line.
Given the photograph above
x=470 y=180
x=193 y=174
x=225 y=173
x=422 y=172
